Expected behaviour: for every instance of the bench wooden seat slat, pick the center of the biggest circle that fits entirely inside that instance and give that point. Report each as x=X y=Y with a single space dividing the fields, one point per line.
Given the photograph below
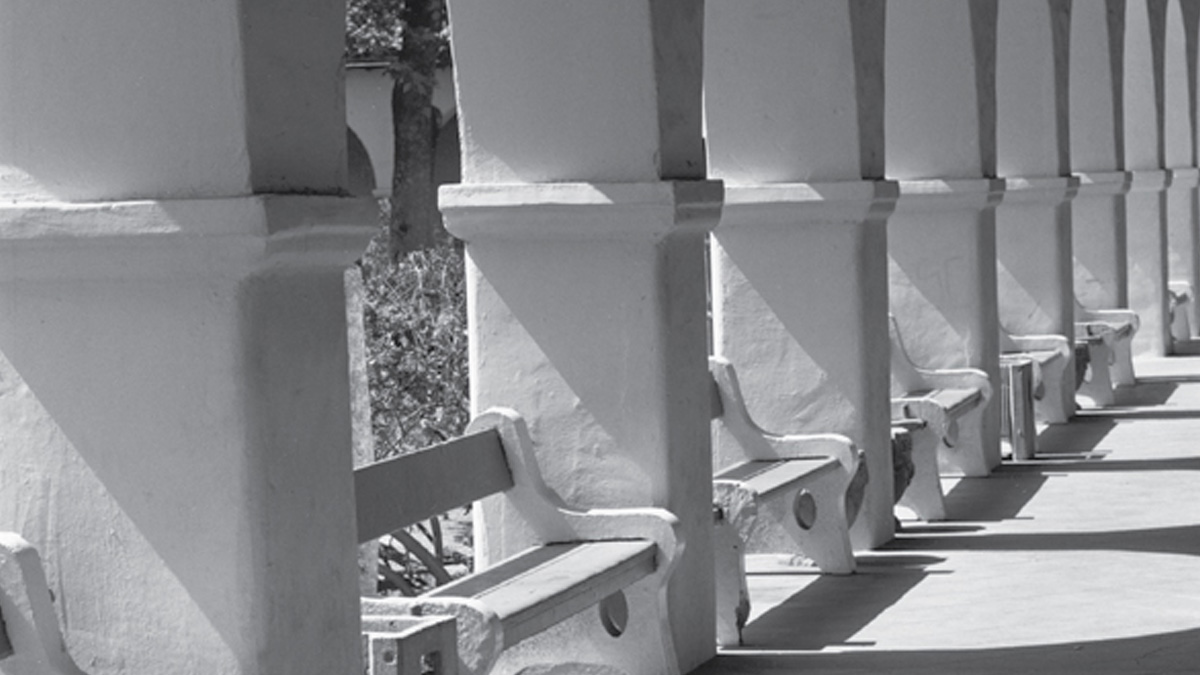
x=453 y=473
x=544 y=585
x=766 y=476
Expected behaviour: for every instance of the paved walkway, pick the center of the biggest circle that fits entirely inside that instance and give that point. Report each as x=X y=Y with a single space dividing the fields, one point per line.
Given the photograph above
x=1085 y=560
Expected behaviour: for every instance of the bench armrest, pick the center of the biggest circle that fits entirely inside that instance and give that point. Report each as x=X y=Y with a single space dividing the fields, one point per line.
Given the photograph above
x=29 y=622
x=1034 y=343
x=760 y=444
x=1113 y=317
x=552 y=520
x=958 y=378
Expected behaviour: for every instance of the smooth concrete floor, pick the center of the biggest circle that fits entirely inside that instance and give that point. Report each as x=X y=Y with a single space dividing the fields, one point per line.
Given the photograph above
x=1083 y=560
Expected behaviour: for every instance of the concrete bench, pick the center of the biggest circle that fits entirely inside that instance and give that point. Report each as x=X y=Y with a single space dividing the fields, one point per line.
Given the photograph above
x=1180 y=294
x=532 y=609
x=945 y=400
x=918 y=484
x=793 y=494
x=787 y=493
x=1094 y=370
x=1117 y=328
x=1018 y=379
x=31 y=642
x=1053 y=382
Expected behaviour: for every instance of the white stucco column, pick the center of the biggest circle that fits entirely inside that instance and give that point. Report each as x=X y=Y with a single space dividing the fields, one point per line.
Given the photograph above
x=940 y=139
x=1179 y=152
x=799 y=263
x=1146 y=201
x=584 y=211
x=174 y=422
x=1097 y=156
x=1033 y=225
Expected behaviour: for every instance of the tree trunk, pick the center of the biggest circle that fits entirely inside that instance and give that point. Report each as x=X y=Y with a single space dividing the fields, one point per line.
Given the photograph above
x=415 y=222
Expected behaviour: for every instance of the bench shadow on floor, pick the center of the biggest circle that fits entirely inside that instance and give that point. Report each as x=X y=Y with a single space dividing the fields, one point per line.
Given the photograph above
x=813 y=630
x=1162 y=653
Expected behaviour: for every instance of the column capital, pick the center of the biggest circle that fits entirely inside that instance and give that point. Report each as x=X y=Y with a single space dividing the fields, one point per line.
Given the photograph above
x=140 y=239
x=775 y=204
x=1095 y=183
x=1149 y=180
x=949 y=195
x=1047 y=190
x=655 y=210
x=1187 y=177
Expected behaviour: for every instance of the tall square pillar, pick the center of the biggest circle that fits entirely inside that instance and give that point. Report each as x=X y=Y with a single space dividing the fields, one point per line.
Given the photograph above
x=1146 y=227
x=794 y=103
x=942 y=276
x=174 y=415
x=584 y=210
x=940 y=136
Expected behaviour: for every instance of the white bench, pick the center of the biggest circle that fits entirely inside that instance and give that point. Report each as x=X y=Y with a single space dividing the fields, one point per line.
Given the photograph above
x=1018 y=379
x=1180 y=295
x=532 y=609
x=1117 y=328
x=794 y=494
x=945 y=400
x=31 y=642
x=1095 y=379
x=1050 y=354
x=788 y=493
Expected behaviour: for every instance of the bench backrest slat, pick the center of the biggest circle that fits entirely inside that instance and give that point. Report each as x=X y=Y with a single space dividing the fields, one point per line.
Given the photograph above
x=410 y=488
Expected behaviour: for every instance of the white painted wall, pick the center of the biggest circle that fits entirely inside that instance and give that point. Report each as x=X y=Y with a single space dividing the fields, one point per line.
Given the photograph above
x=538 y=122
x=81 y=119
x=1027 y=142
x=1093 y=112
x=932 y=123
x=781 y=104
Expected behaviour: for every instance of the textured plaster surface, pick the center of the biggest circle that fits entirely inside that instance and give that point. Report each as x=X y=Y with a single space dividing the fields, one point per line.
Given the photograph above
x=1095 y=131
x=1029 y=575
x=938 y=50
x=615 y=101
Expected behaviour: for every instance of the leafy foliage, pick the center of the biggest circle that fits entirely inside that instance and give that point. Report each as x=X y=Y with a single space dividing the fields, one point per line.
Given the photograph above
x=416 y=324
x=386 y=30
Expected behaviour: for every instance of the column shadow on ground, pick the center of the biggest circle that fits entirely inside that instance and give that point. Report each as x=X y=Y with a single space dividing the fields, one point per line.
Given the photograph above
x=1179 y=540
x=832 y=609
x=1176 y=652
